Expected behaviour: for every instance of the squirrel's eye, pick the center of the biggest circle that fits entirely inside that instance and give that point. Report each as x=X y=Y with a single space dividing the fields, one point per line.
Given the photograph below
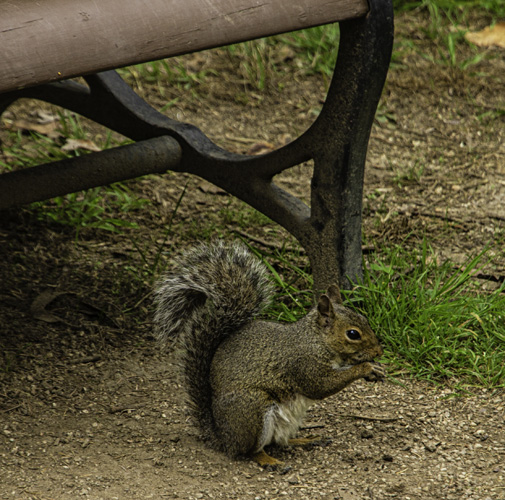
x=353 y=335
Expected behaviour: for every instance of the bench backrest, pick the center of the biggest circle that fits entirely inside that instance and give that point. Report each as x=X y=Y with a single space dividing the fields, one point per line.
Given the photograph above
x=52 y=40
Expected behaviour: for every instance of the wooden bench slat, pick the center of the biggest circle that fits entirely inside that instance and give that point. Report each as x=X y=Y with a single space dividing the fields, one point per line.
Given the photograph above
x=56 y=39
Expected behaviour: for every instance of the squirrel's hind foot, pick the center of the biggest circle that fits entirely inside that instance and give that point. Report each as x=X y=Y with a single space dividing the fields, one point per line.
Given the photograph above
x=304 y=441
x=265 y=460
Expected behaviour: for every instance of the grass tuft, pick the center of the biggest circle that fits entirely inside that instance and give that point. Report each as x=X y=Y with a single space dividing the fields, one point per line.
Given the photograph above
x=92 y=208
x=434 y=319
x=494 y=7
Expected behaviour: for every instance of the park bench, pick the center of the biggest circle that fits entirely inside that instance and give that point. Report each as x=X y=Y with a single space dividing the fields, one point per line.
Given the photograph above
x=43 y=45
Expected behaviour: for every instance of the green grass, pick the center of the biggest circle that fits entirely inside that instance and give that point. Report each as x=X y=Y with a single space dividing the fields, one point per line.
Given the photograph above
x=93 y=208
x=496 y=8
x=255 y=61
x=434 y=319
x=293 y=284
x=447 y=23
x=317 y=47
x=174 y=72
x=242 y=215
x=153 y=264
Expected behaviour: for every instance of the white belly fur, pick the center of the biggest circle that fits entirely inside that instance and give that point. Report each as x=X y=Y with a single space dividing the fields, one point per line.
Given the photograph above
x=282 y=421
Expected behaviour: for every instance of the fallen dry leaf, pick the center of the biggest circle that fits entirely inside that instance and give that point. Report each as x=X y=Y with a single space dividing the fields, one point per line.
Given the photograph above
x=207 y=187
x=44 y=117
x=38 y=307
x=489 y=36
x=263 y=147
x=75 y=144
x=260 y=148
x=48 y=129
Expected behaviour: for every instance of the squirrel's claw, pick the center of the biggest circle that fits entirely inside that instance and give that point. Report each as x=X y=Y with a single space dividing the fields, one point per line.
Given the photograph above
x=378 y=373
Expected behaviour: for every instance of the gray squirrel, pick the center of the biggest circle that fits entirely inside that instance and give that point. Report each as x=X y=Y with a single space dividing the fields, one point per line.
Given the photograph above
x=249 y=382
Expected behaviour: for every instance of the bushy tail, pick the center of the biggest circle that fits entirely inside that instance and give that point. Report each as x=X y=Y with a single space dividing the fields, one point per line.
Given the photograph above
x=214 y=291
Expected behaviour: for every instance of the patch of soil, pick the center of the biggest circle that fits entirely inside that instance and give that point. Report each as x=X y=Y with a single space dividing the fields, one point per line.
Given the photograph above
x=89 y=407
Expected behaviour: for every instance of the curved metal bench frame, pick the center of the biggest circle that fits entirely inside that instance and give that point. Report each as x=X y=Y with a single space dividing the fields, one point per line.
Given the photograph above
x=330 y=230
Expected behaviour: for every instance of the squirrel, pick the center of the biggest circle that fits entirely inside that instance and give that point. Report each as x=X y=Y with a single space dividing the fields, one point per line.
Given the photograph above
x=249 y=382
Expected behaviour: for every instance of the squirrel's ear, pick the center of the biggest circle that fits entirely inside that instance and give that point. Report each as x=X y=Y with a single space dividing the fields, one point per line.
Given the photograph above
x=334 y=294
x=325 y=307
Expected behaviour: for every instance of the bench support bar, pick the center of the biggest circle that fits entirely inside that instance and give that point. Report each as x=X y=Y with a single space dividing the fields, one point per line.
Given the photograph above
x=84 y=172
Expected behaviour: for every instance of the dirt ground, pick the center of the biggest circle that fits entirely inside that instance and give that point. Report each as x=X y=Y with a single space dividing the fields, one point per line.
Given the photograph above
x=90 y=407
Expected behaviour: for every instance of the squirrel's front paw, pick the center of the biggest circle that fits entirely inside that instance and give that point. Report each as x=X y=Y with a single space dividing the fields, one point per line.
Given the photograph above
x=377 y=372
